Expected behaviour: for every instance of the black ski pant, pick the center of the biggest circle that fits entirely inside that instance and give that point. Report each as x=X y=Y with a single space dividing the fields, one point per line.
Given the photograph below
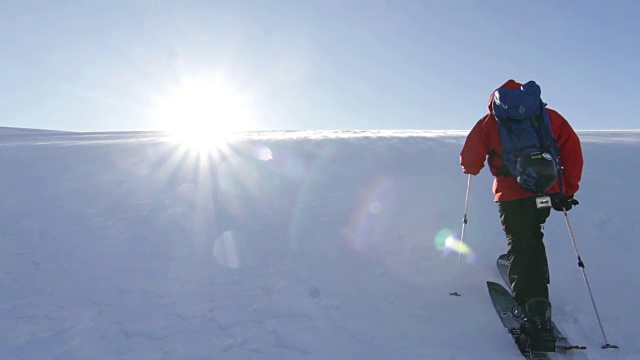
x=522 y=223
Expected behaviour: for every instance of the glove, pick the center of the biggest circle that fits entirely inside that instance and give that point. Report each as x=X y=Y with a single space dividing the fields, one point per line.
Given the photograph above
x=562 y=202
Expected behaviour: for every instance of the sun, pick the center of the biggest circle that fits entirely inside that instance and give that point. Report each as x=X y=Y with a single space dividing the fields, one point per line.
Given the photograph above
x=203 y=112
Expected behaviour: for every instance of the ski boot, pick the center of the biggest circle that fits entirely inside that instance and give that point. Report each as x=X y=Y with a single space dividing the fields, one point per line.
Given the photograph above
x=537 y=331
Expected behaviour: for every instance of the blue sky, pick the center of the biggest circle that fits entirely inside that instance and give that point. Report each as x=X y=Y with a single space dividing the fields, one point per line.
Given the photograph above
x=350 y=64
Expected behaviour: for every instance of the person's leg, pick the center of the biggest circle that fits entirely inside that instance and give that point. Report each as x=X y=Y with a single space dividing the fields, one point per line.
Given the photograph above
x=529 y=271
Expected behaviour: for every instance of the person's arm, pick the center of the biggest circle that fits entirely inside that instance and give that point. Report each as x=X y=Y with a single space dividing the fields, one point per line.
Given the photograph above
x=475 y=149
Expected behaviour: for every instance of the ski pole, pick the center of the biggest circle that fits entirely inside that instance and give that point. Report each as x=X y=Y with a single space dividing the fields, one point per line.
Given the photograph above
x=464 y=224
x=586 y=281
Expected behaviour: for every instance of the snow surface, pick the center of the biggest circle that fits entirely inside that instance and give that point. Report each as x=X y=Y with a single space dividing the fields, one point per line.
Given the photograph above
x=290 y=245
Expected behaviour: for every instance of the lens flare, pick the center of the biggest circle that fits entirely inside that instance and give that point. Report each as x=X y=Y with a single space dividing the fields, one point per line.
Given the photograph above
x=441 y=239
x=372 y=214
x=263 y=153
x=458 y=246
x=448 y=242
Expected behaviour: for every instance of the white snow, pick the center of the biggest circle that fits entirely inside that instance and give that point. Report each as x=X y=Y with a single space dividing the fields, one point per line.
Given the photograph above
x=290 y=245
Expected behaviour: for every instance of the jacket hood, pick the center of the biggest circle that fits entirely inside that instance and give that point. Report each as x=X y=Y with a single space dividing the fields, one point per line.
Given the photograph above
x=510 y=84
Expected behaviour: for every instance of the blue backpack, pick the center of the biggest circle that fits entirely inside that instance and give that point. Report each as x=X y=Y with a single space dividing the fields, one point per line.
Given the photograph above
x=529 y=150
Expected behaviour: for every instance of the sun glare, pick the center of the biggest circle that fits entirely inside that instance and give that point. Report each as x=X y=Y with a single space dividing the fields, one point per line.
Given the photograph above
x=203 y=112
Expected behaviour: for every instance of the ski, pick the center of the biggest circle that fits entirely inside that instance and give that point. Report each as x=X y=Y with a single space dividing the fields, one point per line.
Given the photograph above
x=504 y=304
x=562 y=343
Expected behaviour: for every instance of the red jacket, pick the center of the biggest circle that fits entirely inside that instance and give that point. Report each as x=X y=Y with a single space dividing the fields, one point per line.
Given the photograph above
x=484 y=139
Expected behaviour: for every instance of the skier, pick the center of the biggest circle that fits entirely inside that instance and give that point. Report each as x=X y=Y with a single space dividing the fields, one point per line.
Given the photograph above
x=523 y=212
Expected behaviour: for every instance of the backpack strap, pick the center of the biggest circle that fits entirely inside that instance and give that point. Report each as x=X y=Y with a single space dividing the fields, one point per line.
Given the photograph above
x=551 y=145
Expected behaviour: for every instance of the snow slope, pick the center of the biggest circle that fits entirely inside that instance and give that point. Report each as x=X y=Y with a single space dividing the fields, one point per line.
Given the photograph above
x=289 y=245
